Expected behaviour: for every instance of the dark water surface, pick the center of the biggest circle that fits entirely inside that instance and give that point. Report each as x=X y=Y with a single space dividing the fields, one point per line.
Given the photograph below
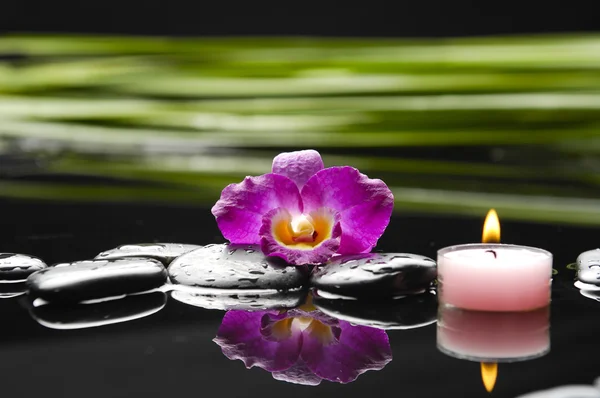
x=171 y=352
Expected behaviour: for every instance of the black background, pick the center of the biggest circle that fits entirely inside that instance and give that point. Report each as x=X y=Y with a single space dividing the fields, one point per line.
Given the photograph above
x=437 y=18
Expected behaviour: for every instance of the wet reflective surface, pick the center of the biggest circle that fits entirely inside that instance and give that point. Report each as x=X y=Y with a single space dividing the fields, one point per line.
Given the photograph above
x=106 y=142
x=137 y=347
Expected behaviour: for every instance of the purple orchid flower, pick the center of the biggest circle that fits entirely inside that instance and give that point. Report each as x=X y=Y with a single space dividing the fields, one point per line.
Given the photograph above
x=303 y=346
x=304 y=213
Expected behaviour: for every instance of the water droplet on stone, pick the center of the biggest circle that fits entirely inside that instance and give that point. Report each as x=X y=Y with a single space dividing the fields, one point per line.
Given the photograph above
x=588 y=267
x=97 y=279
x=164 y=252
x=235 y=269
x=376 y=275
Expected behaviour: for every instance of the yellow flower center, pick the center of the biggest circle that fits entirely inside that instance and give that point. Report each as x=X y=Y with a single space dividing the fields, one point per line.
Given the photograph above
x=305 y=231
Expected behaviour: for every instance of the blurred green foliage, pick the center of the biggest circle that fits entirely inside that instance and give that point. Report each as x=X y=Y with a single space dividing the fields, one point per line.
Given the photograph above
x=451 y=125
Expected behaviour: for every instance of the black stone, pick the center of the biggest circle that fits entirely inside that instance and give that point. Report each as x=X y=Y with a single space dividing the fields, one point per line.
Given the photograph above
x=17 y=267
x=588 y=267
x=81 y=316
x=235 y=267
x=408 y=312
x=96 y=279
x=248 y=302
x=376 y=275
x=163 y=252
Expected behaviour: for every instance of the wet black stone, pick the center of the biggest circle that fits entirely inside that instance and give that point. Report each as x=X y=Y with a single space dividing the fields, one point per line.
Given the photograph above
x=376 y=275
x=17 y=267
x=164 y=252
x=81 y=316
x=588 y=267
x=408 y=312
x=96 y=279
x=235 y=267
x=248 y=302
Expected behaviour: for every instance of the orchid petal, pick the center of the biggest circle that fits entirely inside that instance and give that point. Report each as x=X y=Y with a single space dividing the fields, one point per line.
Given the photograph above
x=277 y=238
x=298 y=166
x=355 y=350
x=365 y=205
x=240 y=337
x=298 y=374
x=240 y=210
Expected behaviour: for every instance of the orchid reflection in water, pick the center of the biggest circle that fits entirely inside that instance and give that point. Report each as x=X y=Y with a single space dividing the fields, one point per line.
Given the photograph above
x=304 y=213
x=303 y=345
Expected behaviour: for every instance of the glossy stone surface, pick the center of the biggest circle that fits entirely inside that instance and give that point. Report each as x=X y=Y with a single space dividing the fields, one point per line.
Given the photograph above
x=376 y=275
x=588 y=267
x=17 y=267
x=252 y=302
x=81 y=316
x=97 y=279
x=164 y=252
x=408 y=312
x=235 y=267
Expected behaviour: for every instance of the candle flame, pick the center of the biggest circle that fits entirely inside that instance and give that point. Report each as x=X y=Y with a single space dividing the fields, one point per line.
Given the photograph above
x=489 y=373
x=491 y=228
x=491 y=234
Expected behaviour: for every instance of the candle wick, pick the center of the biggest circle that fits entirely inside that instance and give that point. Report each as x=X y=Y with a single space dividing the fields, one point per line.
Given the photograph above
x=493 y=252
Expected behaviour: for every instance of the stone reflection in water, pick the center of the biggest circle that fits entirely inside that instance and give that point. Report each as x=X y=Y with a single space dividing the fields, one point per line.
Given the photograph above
x=303 y=345
x=407 y=312
x=163 y=252
x=80 y=315
x=493 y=336
x=570 y=391
x=376 y=275
x=17 y=267
x=591 y=294
x=218 y=300
x=9 y=290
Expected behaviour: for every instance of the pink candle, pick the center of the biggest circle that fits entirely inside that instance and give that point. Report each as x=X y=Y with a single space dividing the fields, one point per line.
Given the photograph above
x=494 y=277
x=493 y=336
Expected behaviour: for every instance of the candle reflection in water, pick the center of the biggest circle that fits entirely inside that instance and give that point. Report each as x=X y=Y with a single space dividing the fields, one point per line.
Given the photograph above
x=492 y=337
x=303 y=345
